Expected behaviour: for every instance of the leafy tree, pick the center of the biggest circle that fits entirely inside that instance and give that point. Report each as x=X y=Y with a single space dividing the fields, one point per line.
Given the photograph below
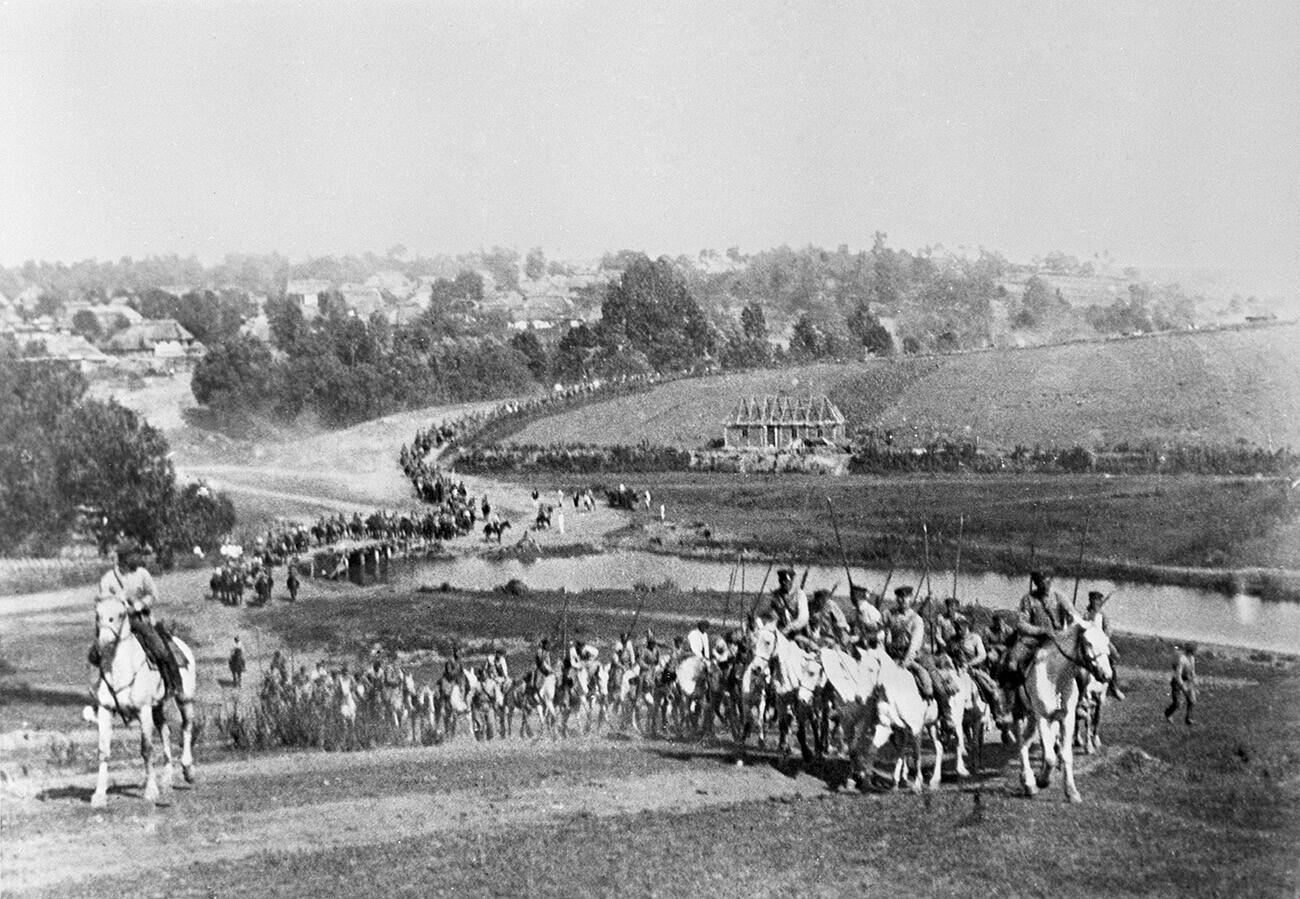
x=235 y=376
x=753 y=322
x=869 y=331
x=86 y=323
x=49 y=303
x=652 y=307
x=528 y=346
x=535 y=264
x=575 y=353
x=115 y=467
x=199 y=517
x=503 y=263
x=286 y=321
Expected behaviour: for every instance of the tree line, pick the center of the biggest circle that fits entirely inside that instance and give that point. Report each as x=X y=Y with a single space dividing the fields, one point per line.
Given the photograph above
x=72 y=464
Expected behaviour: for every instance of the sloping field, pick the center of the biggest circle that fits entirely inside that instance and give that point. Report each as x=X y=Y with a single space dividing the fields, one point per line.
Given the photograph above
x=1213 y=387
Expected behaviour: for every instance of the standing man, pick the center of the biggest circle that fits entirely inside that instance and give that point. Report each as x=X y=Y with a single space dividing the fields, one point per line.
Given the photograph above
x=237 y=664
x=292 y=582
x=131 y=582
x=1182 y=686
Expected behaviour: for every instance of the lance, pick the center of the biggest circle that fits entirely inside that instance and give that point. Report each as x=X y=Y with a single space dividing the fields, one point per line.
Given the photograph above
x=956 y=571
x=1078 y=568
x=564 y=624
x=637 y=615
x=759 y=595
x=843 y=558
x=731 y=583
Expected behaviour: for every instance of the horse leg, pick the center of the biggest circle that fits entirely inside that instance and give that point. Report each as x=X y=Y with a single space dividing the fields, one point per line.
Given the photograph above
x=1026 y=730
x=1098 y=704
x=104 y=720
x=165 y=737
x=863 y=764
x=187 y=739
x=146 y=752
x=957 y=721
x=1067 y=757
x=937 y=775
x=1048 y=732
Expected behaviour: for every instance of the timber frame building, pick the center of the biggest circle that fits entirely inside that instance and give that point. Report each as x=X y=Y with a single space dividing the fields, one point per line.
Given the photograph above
x=778 y=422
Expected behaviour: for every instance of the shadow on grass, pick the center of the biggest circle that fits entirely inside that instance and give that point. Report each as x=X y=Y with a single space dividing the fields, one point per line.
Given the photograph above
x=53 y=696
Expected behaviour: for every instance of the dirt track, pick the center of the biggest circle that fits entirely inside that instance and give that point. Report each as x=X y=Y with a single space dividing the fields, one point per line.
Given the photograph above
x=197 y=825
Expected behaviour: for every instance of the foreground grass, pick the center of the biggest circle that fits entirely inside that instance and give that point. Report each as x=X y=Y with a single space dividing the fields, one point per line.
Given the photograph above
x=1212 y=811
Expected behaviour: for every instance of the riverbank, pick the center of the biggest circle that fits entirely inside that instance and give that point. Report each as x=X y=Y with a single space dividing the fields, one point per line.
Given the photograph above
x=1230 y=535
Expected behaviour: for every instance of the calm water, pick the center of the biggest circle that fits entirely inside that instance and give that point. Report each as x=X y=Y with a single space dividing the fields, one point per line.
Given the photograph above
x=1174 y=612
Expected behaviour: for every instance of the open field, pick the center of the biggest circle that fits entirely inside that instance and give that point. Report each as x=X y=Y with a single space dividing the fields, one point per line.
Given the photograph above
x=1214 y=387
x=1139 y=527
x=1168 y=811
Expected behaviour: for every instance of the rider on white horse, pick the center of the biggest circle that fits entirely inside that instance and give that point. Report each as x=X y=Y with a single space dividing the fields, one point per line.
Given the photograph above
x=129 y=581
x=1097 y=599
x=1042 y=613
x=790 y=604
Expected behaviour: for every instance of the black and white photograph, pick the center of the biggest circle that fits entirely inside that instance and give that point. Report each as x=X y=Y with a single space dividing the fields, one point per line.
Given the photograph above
x=552 y=448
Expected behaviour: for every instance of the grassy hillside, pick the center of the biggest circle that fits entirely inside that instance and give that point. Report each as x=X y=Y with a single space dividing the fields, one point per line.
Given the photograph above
x=1214 y=387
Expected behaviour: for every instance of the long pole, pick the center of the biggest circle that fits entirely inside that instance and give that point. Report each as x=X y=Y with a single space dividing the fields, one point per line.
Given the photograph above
x=1078 y=568
x=731 y=583
x=843 y=558
x=759 y=595
x=956 y=571
x=925 y=578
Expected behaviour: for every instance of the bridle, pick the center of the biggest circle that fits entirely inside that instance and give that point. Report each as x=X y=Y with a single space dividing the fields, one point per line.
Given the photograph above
x=112 y=654
x=1089 y=663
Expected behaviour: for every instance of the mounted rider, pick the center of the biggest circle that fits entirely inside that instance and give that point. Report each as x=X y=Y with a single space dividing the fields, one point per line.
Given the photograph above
x=905 y=642
x=1042 y=614
x=790 y=604
x=828 y=623
x=698 y=640
x=967 y=649
x=129 y=581
x=543 y=666
x=1096 y=600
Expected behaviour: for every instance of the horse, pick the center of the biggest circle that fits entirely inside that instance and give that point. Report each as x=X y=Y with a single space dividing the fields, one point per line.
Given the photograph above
x=1052 y=690
x=495 y=529
x=797 y=675
x=128 y=686
x=883 y=701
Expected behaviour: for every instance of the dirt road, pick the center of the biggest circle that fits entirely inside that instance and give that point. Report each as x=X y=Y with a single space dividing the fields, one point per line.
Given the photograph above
x=233 y=814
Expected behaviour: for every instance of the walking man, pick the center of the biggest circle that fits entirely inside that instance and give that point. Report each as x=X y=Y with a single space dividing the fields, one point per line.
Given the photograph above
x=237 y=664
x=1182 y=686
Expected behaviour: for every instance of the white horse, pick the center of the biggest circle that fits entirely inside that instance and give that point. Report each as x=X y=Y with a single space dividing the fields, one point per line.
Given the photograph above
x=1052 y=687
x=796 y=677
x=129 y=687
x=882 y=702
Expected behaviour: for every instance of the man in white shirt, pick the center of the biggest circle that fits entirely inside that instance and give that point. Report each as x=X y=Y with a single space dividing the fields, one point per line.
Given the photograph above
x=698 y=640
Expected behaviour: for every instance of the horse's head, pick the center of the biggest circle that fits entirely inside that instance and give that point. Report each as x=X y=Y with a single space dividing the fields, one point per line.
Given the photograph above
x=1093 y=647
x=111 y=617
x=763 y=643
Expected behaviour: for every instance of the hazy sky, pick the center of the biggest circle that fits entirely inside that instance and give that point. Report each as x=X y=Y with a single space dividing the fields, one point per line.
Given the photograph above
x=1165 y=133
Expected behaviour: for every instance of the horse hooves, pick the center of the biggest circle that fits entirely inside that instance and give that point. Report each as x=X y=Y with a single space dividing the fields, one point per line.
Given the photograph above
x=1073 y=796
x=98 y=800
x=915 y=788
x=190 y=776
x=1031 y=790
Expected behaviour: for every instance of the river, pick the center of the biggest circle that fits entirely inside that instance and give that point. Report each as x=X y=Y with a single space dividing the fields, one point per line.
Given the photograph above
x=1180 y=613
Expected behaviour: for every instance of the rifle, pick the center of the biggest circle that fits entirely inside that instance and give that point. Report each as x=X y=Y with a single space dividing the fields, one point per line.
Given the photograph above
x=1078 y=569
x=843 y=558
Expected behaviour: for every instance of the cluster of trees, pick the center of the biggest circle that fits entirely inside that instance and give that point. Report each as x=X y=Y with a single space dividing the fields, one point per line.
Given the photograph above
x=70 y=463
x=1143 y=311
x=346 y=369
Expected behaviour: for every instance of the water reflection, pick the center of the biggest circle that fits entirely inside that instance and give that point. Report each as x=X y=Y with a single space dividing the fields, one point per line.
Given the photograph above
x=1173 y=612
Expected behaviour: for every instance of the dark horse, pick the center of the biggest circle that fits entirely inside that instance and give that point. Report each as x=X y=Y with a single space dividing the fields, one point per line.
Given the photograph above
x=491 y=530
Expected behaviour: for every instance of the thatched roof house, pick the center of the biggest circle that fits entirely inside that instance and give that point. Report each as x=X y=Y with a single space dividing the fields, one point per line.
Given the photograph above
x=777 y=422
